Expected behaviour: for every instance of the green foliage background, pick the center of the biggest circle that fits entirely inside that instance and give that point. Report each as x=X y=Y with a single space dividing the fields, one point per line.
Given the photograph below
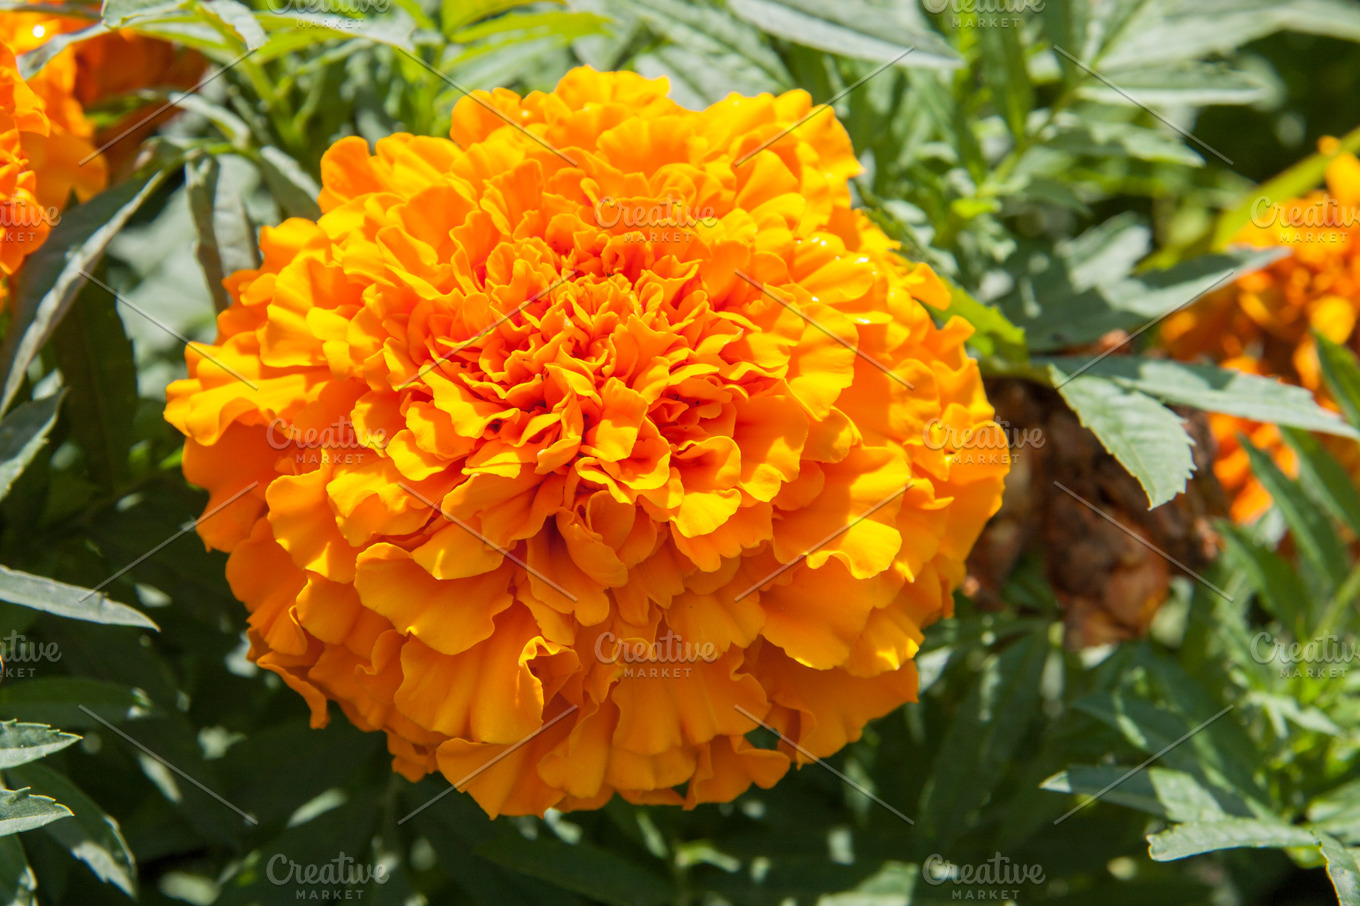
x=1001 y=154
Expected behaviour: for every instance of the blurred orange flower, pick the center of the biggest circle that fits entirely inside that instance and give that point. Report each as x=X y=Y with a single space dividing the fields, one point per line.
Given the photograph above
x=23 y=123
x=57 y=156
x=568 y=449
x=1262 y=323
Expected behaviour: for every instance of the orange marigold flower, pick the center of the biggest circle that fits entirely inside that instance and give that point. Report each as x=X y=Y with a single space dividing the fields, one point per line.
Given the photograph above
x=1263 y=322
x=602 y=426
x=57 y=156
x=23 y=123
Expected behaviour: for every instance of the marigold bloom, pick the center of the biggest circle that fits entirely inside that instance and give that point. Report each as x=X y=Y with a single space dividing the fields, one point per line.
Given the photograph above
x=23 y=123
x=627 y=441
x=1263 y=322
x=57 y=155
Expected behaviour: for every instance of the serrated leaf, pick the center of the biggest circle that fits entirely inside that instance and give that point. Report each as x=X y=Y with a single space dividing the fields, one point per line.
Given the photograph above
x=1180 y=742
x=1212 y=389
x=52 y=275
x=1163 y=792
x=1196 y=837
x=226 y=237
x=116 y=13
x=1317 y=540
x=1190 y=85
x=21 y=743
x=1105 y=140
x=32 y=62
x=1070 y=317
x=70 y=601
x=1275 y=580
x=92 y=837
x=1341 y=373
x=18 y=884
x=22 y=434
x=20 y=811
x=240 y=19
x=95 y=357
x=1341 y=868
x=1324 y=479
x=1148 y=439
x=581 y=868
x=982 y=737
x=1003 y=67
x=60 y=701
x=850 y=28
x=292 y=187
x=325 y=26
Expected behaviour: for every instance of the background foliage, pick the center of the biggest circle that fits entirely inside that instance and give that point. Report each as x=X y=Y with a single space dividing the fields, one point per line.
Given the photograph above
x=1012 y=158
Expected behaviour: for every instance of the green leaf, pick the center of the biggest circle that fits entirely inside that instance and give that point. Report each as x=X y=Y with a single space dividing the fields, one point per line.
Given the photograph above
x=59 y=701
x=1212 y=389
x=32 y=62
x=711 y=49
x=1007 y=77
x=20 y=811
x=1196 y=837
x=117 y=12
x=324 y=27
x=1106 y=140
x=22 y=743
x=851 y=28
x=1275 y=580
x=53 y=274
x=1181 y=742
x=294 y=190
x=1163 y=792
x=1148 y=439
x=995 y=335
x=239 y=18
x=1317 y=540
x=983 y=737
x=22 y=434
x=71 y=601
x=1341 y=373
x=226 y=237
x=18 y=884
x=1072 y=315
x=1341 y=868
x=1324 y=479
x=1189 y=85
x=93 y=837
x=96 y=361
x=581 y=868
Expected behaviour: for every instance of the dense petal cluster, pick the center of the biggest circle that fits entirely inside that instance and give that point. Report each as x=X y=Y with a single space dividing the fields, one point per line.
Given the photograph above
x=58 y=154
x=1263 y=323
x=607 y=423
x=23 y=124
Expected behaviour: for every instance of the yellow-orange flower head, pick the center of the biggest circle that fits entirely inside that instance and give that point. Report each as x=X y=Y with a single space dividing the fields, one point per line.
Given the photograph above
x=23 y=121
x=529 y=434
x=1263 y=322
